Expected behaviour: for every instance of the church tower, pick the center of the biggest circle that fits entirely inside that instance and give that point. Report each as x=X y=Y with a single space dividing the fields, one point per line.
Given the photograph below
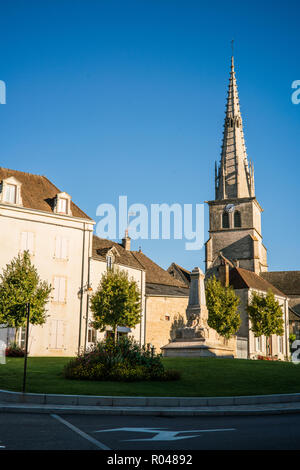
x=234 y=214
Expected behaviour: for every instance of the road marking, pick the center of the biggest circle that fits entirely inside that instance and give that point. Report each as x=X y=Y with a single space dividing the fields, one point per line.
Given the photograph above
x=81 y=433
x=165 y=435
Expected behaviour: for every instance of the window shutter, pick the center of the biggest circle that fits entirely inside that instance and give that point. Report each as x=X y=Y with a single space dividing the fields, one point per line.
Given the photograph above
x=64 y=248
x=56 y=289
x=23 y=241
x=52 y=334
x=57 y=247
x=62 y=289
x=60 y=334
x=30 y=241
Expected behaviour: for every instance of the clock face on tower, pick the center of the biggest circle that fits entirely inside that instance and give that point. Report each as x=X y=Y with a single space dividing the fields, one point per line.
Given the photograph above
x=229 y=208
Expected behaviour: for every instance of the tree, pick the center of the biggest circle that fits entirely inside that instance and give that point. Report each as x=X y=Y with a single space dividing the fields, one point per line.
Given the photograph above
x=222 y=304
x=20 y=284
x=265 y=314
x=116 y=302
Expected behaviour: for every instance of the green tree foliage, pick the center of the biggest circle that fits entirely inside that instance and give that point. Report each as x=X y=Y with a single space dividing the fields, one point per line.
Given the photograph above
x=265 y=314
x=222 y=304
x=117 y=302
x=20 y=284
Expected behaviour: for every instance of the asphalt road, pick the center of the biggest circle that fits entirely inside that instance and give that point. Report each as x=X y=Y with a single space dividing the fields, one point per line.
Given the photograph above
x=85 y=432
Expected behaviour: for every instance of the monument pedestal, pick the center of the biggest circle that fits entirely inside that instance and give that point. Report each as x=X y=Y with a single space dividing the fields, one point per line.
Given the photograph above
x=197 y=339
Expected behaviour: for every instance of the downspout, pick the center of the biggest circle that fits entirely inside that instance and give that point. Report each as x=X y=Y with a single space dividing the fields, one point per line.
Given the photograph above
x=88 y=296
x=287 y=326
x=142 y=284
x=81 y=288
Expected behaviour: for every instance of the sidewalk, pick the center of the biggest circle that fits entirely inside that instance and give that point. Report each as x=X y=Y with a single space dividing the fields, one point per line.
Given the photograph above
x=15 y=402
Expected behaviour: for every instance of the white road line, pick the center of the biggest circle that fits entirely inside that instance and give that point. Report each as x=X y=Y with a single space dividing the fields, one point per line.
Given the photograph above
x=81 y=433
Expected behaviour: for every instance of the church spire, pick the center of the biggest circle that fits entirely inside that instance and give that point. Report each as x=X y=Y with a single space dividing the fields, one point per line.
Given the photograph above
x=234 y=177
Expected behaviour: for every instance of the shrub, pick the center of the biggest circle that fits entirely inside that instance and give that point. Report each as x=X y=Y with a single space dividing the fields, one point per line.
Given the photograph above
x=124 y=361
x=14 y=350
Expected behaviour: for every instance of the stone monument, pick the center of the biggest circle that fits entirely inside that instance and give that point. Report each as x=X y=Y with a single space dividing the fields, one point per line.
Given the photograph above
x=197 y=338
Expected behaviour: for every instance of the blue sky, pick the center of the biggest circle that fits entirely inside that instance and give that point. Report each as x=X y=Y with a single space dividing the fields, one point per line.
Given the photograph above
x=110 y=98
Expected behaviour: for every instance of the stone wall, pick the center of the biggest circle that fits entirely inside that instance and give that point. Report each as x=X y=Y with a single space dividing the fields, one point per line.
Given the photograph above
x=160 y=314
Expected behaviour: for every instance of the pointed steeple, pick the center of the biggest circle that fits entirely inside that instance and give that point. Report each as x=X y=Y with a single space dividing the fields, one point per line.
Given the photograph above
x=234 y=177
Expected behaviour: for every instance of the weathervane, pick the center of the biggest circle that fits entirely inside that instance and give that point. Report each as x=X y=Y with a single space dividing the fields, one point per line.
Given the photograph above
x=232 y=45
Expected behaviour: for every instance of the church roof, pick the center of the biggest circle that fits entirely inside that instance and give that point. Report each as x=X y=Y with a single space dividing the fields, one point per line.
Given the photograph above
x=38 y=192
x=240 y=278
x=234 y=177
x=287 y=281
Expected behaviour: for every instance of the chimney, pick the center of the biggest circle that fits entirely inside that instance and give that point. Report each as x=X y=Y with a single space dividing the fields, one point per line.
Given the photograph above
x=224 y=273
x=126 y=241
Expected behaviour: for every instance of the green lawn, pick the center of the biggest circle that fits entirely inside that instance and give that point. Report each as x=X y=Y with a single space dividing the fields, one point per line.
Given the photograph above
x=200 y=377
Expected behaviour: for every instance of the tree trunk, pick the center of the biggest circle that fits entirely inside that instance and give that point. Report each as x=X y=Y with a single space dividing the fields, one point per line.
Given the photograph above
x=115 y=334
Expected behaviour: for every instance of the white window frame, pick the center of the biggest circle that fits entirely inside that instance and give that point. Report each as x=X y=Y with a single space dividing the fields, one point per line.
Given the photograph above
x=7 y=194
x=8 y=197
x=258 y=343
x=63 y=204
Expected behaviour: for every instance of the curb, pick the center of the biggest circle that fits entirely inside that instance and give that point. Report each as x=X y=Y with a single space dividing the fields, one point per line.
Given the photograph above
x=162 y=402
x=151 y=411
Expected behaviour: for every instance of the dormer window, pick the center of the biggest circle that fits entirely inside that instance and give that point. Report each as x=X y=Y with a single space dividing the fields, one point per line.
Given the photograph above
x=63 y=204
x=10 y=192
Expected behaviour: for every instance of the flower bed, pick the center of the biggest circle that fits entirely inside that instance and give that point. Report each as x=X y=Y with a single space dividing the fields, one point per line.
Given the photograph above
x=13 y=350
x=124 y=361
x=267 y=358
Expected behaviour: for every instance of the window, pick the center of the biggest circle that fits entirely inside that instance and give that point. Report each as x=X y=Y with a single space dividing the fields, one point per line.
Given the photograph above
x=92 y=335
x=56 y=334
x=60 y=284
x=225 y=220
x=62 y=205
x=21 y=337
x=237 y=219
x=280 y=344
x=167 y=317
x=61 y=248
x=109 y=262
x=27 y=242
x=10 y=193
x=258 y=343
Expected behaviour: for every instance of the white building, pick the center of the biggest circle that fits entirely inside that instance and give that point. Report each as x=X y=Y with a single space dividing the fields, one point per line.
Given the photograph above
x=36 y=216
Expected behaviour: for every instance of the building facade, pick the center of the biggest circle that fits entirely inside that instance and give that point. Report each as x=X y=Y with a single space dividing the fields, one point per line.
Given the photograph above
x=36 y=216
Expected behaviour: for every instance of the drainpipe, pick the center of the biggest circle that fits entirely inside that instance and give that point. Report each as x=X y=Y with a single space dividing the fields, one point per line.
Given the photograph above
x=81 y=288
x=142 y=284
x=88 y=296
